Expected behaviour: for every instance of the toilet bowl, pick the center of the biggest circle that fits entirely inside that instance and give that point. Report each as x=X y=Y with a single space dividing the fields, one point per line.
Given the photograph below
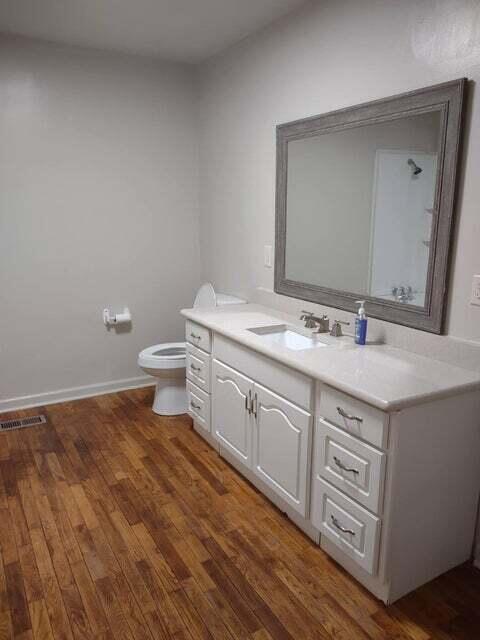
x=166 y=362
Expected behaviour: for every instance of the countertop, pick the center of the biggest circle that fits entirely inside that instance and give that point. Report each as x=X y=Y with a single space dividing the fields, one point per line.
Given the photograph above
x=383 y=376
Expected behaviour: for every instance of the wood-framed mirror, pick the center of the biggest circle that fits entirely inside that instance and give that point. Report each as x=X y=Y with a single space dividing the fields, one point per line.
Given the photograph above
x=365 y=202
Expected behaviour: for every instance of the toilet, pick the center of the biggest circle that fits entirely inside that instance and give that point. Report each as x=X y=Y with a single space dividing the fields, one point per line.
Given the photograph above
x=166 y=362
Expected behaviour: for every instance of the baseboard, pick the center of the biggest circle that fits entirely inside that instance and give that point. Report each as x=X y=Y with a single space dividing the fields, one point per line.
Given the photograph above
x=74 y=393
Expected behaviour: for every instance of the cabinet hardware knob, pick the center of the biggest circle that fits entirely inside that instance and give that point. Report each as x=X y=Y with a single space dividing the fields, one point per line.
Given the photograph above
x=348 y=416
x=340 y=464
x=194 y=368
x=336 y=524
x=195 y=406
x=195 y=337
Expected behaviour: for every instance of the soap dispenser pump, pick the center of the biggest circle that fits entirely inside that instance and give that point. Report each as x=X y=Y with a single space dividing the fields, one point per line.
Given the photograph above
x=361 y=324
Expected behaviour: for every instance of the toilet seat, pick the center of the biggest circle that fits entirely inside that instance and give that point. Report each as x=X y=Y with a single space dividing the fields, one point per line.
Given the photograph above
x=168 y=355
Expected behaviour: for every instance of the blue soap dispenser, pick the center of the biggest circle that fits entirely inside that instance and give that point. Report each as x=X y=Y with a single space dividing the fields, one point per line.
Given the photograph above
x=361 y=324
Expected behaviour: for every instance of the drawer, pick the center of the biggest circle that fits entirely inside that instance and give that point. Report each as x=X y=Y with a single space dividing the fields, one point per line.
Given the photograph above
x=291 y=384
x=198 y=335
x=198 y=367
x=356 y=417
x=350 y=527
x=198 y=405
x=351 y=465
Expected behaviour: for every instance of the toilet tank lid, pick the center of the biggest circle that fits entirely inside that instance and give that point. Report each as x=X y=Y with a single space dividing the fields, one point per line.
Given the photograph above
x=225 y=298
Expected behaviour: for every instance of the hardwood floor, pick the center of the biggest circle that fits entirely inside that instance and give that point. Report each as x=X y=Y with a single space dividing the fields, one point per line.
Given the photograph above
x=116 y=523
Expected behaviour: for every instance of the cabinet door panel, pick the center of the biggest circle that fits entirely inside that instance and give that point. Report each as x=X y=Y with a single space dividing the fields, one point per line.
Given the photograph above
x=282 y=435
x=232 y=424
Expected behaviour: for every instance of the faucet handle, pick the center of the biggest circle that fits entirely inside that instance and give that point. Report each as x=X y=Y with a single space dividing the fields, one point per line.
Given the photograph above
x=308 y=313
x=336 y=330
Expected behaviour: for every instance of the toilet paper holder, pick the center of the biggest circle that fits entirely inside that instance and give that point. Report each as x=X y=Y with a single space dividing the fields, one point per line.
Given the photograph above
x=115 y=319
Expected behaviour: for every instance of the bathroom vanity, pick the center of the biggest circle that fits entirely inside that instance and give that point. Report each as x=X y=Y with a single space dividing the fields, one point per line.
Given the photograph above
x=372 y=451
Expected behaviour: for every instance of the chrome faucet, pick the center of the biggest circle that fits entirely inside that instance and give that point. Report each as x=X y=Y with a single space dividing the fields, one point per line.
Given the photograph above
x=402 y=294
x=314 y=322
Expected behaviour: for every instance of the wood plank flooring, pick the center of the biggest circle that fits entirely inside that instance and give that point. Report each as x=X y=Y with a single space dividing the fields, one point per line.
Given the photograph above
x=116 y=523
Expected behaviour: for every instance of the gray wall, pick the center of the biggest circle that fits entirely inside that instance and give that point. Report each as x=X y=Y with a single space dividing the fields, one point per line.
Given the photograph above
x=98 y=207
x=329 y=55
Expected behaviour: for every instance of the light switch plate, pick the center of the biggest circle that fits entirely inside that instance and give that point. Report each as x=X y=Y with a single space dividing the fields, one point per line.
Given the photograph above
x=267 y=256
x=475 y=296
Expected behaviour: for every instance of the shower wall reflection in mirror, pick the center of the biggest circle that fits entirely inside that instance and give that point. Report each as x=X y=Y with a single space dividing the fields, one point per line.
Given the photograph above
x=360 y=208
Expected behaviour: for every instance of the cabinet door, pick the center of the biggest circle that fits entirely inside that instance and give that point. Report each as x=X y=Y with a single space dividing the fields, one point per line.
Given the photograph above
x=281 y=447
x=232 y=424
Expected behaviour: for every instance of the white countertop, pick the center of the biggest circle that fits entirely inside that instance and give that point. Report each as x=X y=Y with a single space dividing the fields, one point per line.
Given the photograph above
x=383 y=376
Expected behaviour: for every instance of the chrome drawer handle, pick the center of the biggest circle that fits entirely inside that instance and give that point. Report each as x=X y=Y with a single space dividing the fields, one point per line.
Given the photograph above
x=348 y=416
x=195 y=406
x=336 y=523
x=195 y=337
x=194 y=368
x=340 y=464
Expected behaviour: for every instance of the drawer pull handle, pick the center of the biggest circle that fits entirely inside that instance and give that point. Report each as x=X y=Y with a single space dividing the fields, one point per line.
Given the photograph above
x=255 y=406
x=197 y=407
x=340 y=464
x=194 y=368
x=195 y=337
x=336 y=524
x=348 y=416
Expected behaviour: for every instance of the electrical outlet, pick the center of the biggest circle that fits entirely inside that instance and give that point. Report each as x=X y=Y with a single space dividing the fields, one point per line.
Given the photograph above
x=475 y=297
x=267 y=256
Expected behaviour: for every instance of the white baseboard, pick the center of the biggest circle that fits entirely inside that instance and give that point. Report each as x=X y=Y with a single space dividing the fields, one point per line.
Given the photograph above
x=74 y=393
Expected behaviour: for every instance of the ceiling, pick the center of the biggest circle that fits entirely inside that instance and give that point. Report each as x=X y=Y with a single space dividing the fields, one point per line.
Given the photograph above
x=182 y=30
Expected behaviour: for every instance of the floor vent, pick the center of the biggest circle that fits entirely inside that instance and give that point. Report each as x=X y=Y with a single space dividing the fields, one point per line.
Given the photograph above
x=7 y=425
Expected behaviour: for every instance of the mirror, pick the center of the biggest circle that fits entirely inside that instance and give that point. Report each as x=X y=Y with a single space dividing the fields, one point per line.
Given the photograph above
x=365 y=204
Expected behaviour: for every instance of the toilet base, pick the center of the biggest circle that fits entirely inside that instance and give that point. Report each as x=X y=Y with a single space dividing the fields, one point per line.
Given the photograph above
x=170 y=397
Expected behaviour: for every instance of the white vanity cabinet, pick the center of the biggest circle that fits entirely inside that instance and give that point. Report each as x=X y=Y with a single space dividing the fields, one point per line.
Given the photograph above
x=394 y=494
x=198 y=372
x=266 y=433
x=262 y=419
x=390 y=494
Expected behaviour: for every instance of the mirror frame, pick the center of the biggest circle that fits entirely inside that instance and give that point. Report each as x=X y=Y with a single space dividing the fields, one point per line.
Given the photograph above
x=446 y=98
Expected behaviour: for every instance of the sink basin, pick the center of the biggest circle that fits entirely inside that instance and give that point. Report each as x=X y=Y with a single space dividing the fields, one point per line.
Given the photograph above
x=284 y=335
